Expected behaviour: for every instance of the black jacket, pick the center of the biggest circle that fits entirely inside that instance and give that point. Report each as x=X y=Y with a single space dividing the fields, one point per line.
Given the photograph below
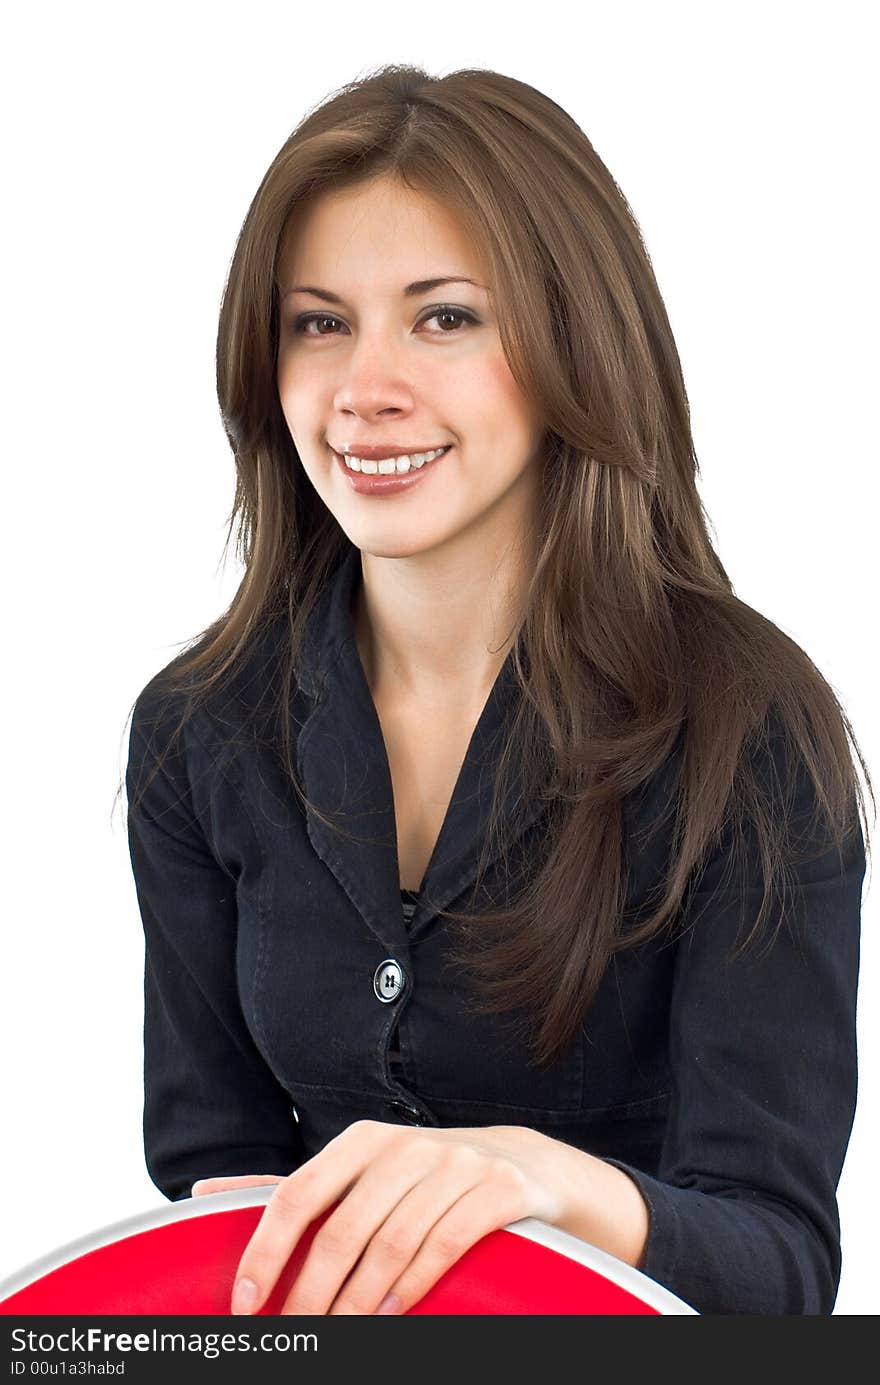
x=726 y=1089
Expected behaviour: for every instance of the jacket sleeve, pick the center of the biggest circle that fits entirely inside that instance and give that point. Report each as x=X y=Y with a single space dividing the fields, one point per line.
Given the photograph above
x=743 y=1212
x=212 y=1106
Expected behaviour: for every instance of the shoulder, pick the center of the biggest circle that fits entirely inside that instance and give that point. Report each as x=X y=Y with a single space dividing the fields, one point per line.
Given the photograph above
x=187 y=701
x=788 y=806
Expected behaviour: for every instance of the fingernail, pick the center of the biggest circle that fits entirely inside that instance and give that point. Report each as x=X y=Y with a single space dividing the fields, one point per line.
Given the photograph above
x=244 y=1296
x=389 y=1304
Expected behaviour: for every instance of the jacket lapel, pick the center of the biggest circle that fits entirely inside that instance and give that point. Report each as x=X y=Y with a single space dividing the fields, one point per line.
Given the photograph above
x=453 y=865
x=344 y=769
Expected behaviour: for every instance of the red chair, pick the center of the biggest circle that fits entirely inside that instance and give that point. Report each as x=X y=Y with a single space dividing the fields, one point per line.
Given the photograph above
x=181 y=1259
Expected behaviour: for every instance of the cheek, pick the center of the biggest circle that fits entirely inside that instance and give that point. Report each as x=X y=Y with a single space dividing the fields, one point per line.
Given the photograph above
x=504 y=408
x=298 y=408
x=286 y=395
x=297 y=392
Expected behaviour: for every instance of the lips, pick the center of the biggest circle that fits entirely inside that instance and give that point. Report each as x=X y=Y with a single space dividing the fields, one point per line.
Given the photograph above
x=380 y=483
x=379 y=453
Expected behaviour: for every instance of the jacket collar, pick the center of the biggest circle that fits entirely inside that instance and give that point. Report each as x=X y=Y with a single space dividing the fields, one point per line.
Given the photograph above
x=344 y=769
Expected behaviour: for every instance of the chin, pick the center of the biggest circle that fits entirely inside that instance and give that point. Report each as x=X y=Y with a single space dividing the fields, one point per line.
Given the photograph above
x=393 y=548
x=392 y=541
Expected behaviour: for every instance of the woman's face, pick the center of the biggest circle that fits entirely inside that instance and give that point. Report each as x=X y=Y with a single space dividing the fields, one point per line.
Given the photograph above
x=366 y=364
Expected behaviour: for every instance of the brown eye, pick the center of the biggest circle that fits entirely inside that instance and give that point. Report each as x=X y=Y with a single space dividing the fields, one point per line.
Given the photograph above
x=447 y=313
x=301 y=323
x=454 y=317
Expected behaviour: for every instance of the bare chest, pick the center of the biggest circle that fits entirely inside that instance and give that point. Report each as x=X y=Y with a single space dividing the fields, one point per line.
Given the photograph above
x=425 y=758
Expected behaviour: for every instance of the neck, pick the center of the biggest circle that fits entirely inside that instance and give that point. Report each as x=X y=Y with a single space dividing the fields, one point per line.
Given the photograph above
x=438 y=626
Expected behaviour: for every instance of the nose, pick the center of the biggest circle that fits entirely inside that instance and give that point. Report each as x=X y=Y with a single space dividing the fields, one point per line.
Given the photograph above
x=374 y=379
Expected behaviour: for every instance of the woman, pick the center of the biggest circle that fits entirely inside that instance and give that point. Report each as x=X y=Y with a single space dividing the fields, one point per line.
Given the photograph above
x=494 y=859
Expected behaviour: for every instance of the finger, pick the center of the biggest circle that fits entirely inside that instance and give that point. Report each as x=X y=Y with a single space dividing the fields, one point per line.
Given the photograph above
x=297 y=1201
x=341 y=1241
x=396 y=1243
x=202 y=1186
x=466 y=1222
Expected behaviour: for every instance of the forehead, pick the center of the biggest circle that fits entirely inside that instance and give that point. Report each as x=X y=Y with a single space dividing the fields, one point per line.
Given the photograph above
x=379 y=230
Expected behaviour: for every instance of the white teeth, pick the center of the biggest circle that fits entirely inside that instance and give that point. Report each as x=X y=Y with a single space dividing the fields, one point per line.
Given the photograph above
x=388 y=466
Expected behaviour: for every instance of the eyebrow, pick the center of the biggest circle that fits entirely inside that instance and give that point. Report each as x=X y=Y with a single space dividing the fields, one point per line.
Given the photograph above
x=411 y=291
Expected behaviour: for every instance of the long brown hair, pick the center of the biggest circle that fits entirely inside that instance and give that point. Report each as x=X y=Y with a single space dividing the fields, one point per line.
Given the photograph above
x=633 y=641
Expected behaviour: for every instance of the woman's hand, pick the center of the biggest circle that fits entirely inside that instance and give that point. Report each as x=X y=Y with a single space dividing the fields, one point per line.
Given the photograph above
x=412 y=1202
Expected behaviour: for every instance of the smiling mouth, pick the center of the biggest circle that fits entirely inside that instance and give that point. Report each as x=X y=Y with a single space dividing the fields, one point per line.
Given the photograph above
x=391 y=466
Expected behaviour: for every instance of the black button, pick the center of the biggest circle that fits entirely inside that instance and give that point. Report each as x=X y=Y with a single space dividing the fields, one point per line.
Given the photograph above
x=409 y=1113
x=389 y=980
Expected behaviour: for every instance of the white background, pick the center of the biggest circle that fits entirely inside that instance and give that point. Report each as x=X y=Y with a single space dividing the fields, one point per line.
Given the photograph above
x=743 y=137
